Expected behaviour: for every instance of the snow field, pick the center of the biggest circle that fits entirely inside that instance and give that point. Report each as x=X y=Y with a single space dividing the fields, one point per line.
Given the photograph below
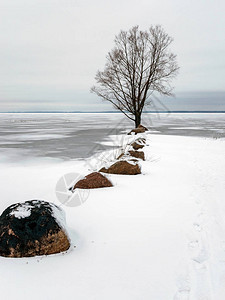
x=159 y=235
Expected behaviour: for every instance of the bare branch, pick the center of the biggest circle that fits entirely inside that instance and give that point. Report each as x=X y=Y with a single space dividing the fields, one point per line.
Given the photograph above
x=139 y=65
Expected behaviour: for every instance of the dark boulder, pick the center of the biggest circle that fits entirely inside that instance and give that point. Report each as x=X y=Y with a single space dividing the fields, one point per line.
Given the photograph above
x=122 y=167
x=32 y=228
x=93 y=181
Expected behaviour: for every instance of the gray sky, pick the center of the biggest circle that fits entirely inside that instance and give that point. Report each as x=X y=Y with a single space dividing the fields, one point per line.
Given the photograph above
x=50 y=50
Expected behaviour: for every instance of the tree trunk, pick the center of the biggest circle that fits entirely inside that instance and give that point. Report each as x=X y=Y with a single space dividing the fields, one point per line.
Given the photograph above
x=137 y=120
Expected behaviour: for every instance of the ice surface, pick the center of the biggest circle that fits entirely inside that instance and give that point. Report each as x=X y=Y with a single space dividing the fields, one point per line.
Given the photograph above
x=69 y=136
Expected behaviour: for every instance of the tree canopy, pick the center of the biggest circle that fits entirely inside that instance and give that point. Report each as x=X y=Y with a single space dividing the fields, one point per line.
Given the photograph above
x=139 y=65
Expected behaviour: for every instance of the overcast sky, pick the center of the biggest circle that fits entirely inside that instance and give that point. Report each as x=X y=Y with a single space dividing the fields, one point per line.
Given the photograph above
x=50 y=50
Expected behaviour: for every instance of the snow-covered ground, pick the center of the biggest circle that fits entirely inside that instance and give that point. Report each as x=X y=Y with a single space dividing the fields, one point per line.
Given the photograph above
x=159 y=235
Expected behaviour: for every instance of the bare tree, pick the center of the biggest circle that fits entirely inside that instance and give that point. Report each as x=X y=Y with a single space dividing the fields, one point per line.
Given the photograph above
x=139 y=65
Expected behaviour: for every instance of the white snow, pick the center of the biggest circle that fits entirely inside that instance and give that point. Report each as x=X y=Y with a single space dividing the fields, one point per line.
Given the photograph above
x=22 y=211
x=159 y=235
x=60 y=217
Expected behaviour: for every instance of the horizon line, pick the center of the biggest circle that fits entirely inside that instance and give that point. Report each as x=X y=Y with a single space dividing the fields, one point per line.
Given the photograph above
x=109 y=111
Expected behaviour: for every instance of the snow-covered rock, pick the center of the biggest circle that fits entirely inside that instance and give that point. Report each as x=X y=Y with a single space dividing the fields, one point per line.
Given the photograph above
x=94 y=180
x=32 y=228
x=122 y=167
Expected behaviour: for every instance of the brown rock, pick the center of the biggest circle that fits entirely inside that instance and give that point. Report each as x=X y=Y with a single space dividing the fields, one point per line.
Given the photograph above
x=127 y=157
x=32 y=228
x=94 y=180
x=137 y=154
x=139 y=129
x=143 y=127
x=137 y=146
x=136 y=131
x=122 y=167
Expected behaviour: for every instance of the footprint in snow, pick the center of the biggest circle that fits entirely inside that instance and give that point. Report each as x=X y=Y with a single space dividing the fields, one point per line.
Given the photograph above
x=183 y=285
x=202 y=256
x=197 y=226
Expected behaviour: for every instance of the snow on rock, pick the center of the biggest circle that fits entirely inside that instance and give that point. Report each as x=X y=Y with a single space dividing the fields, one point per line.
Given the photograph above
x=59 y=216
x=23 y=210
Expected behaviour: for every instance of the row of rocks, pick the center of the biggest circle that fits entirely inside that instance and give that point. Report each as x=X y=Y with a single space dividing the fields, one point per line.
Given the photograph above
x=37 y=227
x=121 y=167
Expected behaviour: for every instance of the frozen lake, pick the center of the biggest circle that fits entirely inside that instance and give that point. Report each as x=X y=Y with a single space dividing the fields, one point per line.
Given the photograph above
x=79 y=135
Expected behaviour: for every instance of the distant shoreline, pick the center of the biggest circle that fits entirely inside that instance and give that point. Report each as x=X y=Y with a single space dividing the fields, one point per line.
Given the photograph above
x=115 y=112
